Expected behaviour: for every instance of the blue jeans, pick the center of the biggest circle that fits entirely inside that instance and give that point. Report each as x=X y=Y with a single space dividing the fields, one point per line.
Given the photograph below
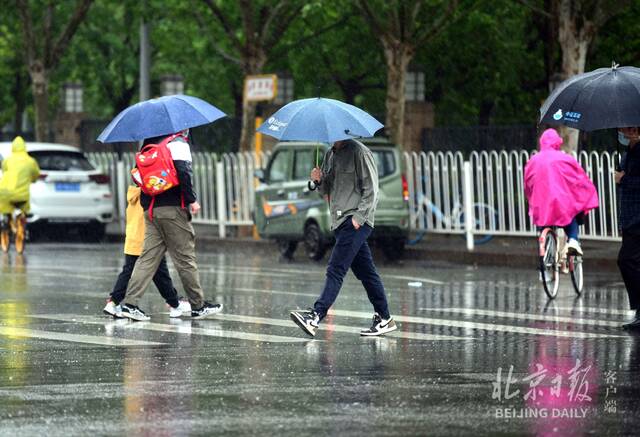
x=351 y=250
x=572 y=229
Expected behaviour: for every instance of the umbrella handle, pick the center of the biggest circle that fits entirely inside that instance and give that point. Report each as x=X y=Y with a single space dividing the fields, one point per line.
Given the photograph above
x=312 y=185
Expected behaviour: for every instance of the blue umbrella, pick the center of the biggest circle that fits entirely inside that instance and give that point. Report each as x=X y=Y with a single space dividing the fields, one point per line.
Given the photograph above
x=157 y=117
x=319 y=119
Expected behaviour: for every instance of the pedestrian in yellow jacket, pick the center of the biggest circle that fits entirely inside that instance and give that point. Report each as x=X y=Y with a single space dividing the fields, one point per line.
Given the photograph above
x=133 y=244
x=19 y=171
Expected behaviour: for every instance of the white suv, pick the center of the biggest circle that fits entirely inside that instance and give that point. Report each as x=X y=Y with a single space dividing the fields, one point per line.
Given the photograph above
x=70 y=191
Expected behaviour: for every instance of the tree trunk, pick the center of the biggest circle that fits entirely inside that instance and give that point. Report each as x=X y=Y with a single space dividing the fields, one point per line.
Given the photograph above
x=18 y=93
x=39 y=85
x=398 y=55
x=253 y=64
x=574 y=43
x=248 y=126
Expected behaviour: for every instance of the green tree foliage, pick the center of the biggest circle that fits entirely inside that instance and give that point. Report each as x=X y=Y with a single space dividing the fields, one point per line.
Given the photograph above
x=486 y=68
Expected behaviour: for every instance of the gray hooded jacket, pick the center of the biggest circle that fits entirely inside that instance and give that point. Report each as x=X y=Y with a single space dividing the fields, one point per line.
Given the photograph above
x=350 y=180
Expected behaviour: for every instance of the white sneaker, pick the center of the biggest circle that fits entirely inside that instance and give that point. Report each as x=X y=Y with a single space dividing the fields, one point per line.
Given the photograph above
x=573 y=247
x=380 y=326
x=175 y=312
x=111 y=309
x=183 y=308
x=307 y=320
x=207 y=310
x=134 y=313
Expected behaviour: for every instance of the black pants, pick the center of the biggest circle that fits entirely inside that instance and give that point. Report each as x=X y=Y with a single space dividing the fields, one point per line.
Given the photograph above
x=161 y=279
x=352 y=251
x=629 y=264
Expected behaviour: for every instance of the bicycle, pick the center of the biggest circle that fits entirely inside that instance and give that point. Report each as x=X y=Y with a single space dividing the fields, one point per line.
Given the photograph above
x=554 y=259
x=486 y=217
x=13 y=225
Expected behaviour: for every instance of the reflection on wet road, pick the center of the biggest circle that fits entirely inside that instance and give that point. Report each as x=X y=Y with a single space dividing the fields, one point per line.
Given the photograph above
x=478 y=351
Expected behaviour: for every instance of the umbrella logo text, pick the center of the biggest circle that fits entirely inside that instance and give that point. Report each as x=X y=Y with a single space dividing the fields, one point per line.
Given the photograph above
x=275 y=124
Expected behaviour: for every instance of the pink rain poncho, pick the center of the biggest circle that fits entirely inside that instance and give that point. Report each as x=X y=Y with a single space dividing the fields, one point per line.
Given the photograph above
x=556 y=187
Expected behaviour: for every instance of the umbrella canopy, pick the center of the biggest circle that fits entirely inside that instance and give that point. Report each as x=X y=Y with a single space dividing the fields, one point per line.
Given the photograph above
x=319 y=119
x=156 y=117
x=601 y=99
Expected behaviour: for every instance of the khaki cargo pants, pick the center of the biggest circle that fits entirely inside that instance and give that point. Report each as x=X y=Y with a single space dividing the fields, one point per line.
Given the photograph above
x=169 y=231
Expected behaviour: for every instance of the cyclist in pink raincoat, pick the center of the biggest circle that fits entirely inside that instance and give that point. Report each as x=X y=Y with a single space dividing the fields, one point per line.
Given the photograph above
x=558 y=190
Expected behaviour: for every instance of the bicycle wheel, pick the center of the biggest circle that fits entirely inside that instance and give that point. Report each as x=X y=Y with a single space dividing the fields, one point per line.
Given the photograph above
x=549 y=274
x=21 y=225
x=575 y=267
x=5 y=234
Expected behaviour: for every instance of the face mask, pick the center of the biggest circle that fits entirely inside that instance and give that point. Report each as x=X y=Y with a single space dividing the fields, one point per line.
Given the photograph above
x=622 y=139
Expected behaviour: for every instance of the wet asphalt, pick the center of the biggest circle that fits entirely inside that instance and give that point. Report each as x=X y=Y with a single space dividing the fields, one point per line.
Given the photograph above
x=480 y=351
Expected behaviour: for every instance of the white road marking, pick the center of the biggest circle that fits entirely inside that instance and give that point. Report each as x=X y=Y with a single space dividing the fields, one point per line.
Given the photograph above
x=337 y=328
x=182 y=328
x=414 y=279
x=525 y=316
x=483 y=326
x=75 y=338
x=598 y=310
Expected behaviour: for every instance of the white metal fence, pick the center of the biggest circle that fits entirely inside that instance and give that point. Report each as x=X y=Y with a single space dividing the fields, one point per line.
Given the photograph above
x=225 y=185
x=448 y=194
x=497 y=200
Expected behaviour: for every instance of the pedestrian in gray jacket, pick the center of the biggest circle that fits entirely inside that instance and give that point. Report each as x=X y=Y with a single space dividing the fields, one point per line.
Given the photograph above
x=349 y=181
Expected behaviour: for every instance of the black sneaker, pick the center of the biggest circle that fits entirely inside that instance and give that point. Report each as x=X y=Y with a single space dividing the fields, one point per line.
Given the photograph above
x=307 y=320
x=133 y=312
x=379 y=326
x=208 y=309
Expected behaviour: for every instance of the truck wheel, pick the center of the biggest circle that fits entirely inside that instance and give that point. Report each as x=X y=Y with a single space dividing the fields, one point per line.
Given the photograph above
x=393 y=250
x=314 y=242
x=287 y=248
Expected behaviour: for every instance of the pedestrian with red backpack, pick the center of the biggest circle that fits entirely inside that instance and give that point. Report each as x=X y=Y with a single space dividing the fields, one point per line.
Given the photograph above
x=164 y=175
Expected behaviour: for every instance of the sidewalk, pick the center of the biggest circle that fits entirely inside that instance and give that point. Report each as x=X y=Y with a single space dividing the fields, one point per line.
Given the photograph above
x=500 y=251
x=507 y=251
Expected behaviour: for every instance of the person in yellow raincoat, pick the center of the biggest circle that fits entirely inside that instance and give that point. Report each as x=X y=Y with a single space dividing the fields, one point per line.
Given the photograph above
x=133 y=244
x=19 y=171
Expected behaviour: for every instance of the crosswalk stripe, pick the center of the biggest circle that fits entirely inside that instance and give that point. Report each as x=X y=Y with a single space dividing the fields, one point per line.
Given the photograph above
x=525 y=316
x=415 y=279
x=475 y=325
x=11 y=331
x=186 y=328
x=337 y=328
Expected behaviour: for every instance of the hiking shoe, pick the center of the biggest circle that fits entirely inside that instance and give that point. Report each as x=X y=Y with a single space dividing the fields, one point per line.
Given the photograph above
x=111 y=309
x=134 y=313
x=307 y=320
x=573 y=247
x=207 y=310
x=184 y=307
x=380 y=326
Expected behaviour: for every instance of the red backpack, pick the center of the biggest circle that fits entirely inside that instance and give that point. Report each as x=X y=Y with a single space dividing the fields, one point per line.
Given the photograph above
x=156 y=172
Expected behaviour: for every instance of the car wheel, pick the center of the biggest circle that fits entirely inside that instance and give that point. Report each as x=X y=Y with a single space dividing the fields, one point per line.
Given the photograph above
x=393 y=249
x=314 y=242
x=287 y=248
x=93 y=232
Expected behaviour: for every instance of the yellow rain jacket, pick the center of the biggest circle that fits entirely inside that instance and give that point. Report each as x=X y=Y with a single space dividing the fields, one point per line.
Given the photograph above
x=19 y=170
x=134 y=232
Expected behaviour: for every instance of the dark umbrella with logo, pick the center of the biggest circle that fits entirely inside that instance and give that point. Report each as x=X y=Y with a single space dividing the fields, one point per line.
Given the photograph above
x=601 y=99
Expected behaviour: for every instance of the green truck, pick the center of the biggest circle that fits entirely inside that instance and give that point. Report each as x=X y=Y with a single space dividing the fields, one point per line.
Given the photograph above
x=289 y=213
